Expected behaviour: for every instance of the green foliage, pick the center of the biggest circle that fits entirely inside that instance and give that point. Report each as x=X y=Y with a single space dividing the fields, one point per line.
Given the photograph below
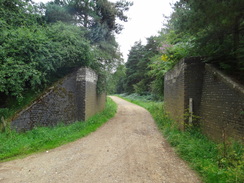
x=147 y=64
x=30 y=55
x=18 y=70
x=98 y=18
x=134 y=97
x=114 y=80
x=39 y=43
x=212 y=30
x=69 y=46
x=132 y=69
x=101 y=83
x=55 y=13
x=140 y=87
x=215 y=162
x=217 y=29
x=17 y=13
x=43 y=138
x=171 y=50
x=137 y=78
x=12 y=105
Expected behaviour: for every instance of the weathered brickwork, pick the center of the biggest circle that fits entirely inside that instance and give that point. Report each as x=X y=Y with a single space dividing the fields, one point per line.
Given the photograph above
x=174 y=93
x=67 y=101
x=181 y=83
x=193 y=79
x=222 y=106
x=216 y=99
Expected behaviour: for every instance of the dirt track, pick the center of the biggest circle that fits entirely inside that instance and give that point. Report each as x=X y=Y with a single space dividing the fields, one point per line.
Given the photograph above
x=127 y=149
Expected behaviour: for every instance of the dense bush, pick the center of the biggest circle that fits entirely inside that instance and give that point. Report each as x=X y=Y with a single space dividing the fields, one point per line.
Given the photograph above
x=30 y=55
x=40 y=42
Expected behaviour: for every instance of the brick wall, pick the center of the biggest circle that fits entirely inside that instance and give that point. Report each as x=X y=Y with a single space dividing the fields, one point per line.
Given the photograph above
x=216 y=99
x=174 y=93
x=67 y=101
x=193 y=79
x=222 y=106
x=181 y=83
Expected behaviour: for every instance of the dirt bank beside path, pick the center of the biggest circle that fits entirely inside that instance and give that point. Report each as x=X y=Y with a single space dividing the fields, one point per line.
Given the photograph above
x=126 y=149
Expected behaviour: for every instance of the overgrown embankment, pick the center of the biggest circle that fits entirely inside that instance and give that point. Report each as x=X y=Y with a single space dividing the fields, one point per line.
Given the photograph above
x=215 y=162
x=39 y=139
x=41 y=43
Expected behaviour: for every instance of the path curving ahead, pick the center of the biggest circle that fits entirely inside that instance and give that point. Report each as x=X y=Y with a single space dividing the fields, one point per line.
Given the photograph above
x=127 y=149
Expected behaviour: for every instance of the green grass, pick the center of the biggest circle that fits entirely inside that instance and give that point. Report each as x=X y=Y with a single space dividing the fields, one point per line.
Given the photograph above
x=215 y=163
x=14 y=145
x=13 y=105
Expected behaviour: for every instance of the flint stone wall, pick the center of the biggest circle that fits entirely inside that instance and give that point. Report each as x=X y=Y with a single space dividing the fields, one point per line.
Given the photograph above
x=73 y=98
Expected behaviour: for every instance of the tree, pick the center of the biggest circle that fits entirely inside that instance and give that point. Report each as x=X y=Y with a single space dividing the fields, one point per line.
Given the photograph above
x=115 y=80
x=132 y=77
x=137 y=67
x=55 y=12
x=39 y=43
x=17 y=13
x=217 y=28
x=98 y=19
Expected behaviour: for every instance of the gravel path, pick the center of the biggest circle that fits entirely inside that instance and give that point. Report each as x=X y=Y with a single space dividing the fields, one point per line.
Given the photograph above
x=127 y=149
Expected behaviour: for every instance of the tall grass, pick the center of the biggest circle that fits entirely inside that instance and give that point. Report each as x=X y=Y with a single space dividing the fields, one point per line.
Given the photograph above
x=12 y=105
x=14 y=144
x=215 y=162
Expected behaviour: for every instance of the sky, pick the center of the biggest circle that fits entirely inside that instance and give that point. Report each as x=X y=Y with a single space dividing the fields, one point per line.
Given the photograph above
x=145 y=20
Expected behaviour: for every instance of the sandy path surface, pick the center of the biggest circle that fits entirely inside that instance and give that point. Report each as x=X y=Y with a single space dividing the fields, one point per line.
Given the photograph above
x=127 y=149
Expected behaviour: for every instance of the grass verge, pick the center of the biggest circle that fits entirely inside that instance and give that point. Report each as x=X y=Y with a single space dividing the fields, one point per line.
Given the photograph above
x=215 y=162
x=15 y=145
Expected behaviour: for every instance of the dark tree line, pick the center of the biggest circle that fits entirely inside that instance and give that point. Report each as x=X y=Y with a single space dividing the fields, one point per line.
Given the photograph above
x=211 y=29
x=216 y=29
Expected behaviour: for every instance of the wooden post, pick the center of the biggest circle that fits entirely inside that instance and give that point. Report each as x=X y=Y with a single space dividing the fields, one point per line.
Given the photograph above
x=190 y=111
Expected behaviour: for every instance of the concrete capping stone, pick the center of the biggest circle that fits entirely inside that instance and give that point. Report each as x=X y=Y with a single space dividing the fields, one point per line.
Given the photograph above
x=175 y=72
x=86 y=74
